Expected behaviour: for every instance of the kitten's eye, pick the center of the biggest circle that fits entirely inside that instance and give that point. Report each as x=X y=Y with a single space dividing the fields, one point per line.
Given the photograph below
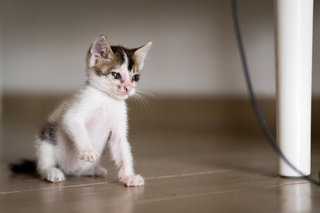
x=136 y=78
x=116 y=75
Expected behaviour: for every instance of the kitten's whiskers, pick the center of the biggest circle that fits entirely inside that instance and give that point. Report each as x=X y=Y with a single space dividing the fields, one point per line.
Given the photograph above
x=139 y=98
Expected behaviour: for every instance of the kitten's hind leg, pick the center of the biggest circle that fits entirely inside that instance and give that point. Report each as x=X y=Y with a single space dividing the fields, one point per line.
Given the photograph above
x=46 y=163
x=54 y=175
x=97 y=171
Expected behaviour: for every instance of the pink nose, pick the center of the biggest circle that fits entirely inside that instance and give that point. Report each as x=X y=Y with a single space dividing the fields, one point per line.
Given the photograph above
x=127 y=89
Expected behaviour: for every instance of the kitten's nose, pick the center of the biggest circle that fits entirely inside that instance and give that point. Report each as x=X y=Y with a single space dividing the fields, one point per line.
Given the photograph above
x=127 y=89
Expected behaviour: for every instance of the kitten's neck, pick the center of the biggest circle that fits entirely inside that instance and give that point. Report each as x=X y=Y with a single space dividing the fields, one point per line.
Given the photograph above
x=102 y=93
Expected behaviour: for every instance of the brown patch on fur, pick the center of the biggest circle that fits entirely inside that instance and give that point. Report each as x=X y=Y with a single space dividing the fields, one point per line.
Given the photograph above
x=125 y=52
x=106 y=66
x=135 y=68
x=116 y=57
x=48 y=132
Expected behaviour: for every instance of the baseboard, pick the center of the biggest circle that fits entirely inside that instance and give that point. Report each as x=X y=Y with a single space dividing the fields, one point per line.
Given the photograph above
x=212 y=115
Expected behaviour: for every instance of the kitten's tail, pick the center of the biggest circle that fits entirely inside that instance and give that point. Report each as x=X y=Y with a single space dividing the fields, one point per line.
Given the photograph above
x=25 y=166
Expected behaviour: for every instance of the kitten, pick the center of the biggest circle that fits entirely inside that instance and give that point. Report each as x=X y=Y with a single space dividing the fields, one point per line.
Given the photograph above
x=74 y=137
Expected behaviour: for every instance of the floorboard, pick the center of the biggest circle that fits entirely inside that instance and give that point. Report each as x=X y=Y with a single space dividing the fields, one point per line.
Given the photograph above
x=195 y=158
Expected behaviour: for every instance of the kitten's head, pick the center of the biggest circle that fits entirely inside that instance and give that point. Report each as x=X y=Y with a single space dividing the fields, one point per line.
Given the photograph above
x=115 y=69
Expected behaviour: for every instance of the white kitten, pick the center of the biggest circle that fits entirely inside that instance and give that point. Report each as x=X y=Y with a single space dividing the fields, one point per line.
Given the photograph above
x=74 y=137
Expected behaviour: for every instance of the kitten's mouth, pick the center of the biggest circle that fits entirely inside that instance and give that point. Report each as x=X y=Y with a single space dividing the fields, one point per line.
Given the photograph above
x=124 y=95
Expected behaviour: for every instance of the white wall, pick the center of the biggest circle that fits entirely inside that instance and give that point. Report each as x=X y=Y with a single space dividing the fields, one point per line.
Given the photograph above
x=1 y=67
x=194 y=49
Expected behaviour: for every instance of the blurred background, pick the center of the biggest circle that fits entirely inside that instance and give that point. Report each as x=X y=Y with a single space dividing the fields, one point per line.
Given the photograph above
x=194 y=50
x=194 y=56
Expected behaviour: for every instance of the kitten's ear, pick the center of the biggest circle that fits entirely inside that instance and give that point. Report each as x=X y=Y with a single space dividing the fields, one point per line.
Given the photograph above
x=100 y=51
x=141 y=53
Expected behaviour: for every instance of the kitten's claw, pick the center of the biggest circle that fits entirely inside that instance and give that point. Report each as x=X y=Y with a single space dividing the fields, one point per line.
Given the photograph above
x=135 y=180
x=55 y=175
x=89 y=155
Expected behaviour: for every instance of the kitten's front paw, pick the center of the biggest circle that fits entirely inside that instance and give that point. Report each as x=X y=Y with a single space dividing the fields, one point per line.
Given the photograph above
x=89 y=155
x=135 y=180
x=55 y=175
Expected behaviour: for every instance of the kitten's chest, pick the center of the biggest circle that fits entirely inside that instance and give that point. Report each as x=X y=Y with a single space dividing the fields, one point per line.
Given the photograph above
x=99 y=125
x=102 y=114
x=100 y=122
x=105 y=118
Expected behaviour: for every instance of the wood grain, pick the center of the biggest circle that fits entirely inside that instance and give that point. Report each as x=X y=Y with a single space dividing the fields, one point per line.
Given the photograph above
x=197 y=155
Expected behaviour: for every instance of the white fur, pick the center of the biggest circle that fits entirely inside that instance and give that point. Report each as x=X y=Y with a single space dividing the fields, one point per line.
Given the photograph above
x=85 y=122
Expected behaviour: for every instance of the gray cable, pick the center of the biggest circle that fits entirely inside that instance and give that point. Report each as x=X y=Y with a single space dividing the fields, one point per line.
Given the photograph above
x=253 y=100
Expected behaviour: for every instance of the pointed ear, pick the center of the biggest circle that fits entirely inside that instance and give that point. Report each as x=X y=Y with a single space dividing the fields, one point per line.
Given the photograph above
x=141 y=53
x=100 y=51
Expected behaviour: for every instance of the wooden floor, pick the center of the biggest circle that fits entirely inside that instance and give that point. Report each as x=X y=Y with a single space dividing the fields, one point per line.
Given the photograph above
x=196 y=156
